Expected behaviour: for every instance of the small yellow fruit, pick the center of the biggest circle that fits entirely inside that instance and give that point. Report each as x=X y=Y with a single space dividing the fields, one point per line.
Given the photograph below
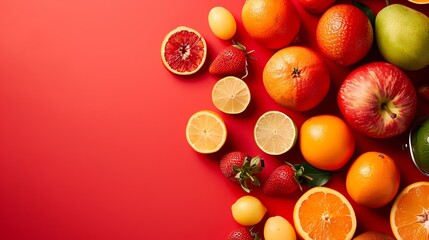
x=222 y=23
x=248 y=210
x=278 y=228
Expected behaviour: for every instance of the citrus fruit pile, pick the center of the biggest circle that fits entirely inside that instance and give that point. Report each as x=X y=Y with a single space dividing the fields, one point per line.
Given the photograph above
x=298 y=79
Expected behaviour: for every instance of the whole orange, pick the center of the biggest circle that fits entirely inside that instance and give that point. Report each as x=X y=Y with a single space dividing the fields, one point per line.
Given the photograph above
x=373 y=235
x=272 y=23
x=297 y=78
x=344 y=34
x=373 y=179
x=326 y=142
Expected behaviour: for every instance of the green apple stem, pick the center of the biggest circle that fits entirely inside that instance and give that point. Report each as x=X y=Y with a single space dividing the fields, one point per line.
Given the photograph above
x=391 y=114
x=387 y=2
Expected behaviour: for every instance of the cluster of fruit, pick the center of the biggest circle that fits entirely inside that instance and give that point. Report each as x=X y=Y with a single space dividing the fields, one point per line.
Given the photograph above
x=377 y=99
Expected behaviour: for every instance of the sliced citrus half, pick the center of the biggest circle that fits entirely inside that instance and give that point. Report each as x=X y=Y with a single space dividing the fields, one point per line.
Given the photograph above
x=206 y=131
x=183 y=51
x=409 y=216
x=324 y=213
x=275 y=133
x=419 y=1
x=231 y=95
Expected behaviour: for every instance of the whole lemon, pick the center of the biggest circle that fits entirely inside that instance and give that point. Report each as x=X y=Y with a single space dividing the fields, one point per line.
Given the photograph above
x=402 y=36
x=278 y=228
x=248 y=210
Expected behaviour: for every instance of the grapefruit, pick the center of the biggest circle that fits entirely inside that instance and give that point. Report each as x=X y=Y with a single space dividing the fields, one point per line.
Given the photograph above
x=344 y=34
x=183 y=51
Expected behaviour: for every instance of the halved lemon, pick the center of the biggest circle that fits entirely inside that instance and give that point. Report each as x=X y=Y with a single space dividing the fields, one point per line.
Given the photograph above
x=275 y=133
x=206 y=131
x=409 y=216
x=324 y=213
x=231 y=95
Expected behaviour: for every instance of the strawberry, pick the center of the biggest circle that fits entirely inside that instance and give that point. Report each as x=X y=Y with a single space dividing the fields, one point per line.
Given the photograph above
x=242 y=233
x=424 y=91
x=283 y=180
x=239 y=168
x=231 y=61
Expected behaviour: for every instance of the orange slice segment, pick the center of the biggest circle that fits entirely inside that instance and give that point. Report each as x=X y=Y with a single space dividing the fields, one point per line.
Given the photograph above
x=409 y=216
x=323 y=213
x=231 y=95
x=206 y=131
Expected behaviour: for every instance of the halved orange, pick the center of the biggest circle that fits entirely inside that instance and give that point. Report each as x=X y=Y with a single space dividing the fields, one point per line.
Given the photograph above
x=409 y=216
x=183 y=51
x=206 y=131
x=324 y=213
x=419 y=1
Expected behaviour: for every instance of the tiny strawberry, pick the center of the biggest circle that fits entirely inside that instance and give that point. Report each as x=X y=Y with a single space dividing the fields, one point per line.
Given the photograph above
x=231 y=61
x=239 y=168
x=242 y=233
x=424 y=91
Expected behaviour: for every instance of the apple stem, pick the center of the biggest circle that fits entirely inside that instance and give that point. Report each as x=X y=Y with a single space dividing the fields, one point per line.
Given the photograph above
x=387 y=3
x=391 y=114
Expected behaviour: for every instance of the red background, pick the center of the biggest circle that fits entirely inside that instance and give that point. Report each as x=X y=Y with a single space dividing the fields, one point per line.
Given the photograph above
x=92 y=142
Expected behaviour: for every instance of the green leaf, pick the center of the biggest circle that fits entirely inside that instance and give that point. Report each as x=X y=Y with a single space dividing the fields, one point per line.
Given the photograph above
x=367 y=11
x=312 y=176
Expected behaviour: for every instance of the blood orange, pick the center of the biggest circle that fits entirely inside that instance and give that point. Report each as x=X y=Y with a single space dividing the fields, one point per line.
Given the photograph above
x=183 y=51
x=344 y=34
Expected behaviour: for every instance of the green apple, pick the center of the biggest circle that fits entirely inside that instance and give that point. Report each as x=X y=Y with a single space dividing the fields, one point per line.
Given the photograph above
x=402 y=36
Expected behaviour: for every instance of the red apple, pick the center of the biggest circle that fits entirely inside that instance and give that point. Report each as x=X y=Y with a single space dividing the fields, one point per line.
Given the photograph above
x=378 y=99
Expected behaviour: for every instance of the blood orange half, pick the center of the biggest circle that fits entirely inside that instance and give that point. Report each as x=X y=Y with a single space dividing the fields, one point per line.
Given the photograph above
x=183 y=51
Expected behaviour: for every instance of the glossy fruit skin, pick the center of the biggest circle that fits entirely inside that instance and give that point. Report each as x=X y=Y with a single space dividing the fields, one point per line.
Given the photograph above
x=281 y=182
x=187 y=45
x=248 y=210
x=404 y=47
x=344 y=34
x=424 y=91
x=421 y=145
x=240 y=168
x=297 y=78
x=316 y=6
x=373 y=235
x=241 y=233
x=326 y=142
x=373 y=179
x=232 y=60
x=278 y=228
x=222 y=23
x=365 y=93
x=271 y=23
x=228 y=162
